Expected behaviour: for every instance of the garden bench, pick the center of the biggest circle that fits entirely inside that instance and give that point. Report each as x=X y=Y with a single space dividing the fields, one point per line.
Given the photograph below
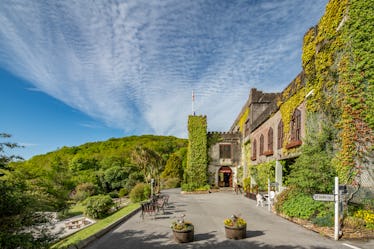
x=148 y=208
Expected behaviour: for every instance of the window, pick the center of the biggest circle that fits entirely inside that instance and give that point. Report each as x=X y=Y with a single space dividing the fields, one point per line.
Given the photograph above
x=225 y=151
x=261 y=144
x=295 y=140
x=296 y=126
x=254 y=150
x=280 y=135
x=270 y=140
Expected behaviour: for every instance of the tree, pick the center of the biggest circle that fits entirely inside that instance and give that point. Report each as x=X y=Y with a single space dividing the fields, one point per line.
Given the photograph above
x=116 y=177
x=313 y=171
x=18 y=206
x=56 y=184
x=4 y=158
x=150 y=162
x=173 y=167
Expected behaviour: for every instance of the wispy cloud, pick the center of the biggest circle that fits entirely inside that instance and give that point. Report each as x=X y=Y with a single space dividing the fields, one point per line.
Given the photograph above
x=133 y=64
x=28 y=144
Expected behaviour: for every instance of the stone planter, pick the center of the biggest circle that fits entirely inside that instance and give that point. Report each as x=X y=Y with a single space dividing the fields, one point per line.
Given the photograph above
x=184 y=236
x=236 y=232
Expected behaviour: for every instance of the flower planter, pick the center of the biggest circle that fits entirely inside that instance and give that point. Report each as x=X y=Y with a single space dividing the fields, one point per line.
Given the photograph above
x=236 y=232
x=184 y=236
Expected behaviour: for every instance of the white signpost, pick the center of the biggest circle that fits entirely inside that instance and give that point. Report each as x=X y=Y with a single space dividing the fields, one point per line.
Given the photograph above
x=323 y=197
x=336 y=198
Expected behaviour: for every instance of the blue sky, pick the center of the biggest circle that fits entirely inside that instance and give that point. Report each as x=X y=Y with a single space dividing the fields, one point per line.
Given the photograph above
x=78 y=71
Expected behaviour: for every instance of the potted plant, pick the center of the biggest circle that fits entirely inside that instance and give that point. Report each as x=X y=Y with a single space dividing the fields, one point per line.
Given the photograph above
x=235 y=227
x=183 y=230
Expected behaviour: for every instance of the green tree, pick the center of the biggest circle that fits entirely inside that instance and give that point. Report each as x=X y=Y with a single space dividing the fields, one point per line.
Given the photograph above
x=140 y=192
x=79 y=163
x=56 y=184
x=116 y=177
x=150 y=162
x=18 y=206
x=4 y=158
x=173 y=167
x=313 y=171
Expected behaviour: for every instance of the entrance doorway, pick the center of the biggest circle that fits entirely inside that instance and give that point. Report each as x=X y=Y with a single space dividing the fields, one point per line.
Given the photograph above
x=225 y=177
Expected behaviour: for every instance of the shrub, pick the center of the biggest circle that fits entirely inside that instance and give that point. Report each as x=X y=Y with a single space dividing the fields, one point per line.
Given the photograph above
x=171 y=183
x=98 y=206
x=324 y=221
x=123 y=192
x=353 y=222
x=190 y=187
x=140 y=192
x=301 y=206
x=113 y=194
x=367 y=216
x=83 y=190
x=247 y=184
x=203 y=188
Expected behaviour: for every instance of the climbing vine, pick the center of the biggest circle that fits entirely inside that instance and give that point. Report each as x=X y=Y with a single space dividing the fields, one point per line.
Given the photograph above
x=262 y=172
x=289 y=104
x=339 y=66
x=197 y=159
x=242 y=120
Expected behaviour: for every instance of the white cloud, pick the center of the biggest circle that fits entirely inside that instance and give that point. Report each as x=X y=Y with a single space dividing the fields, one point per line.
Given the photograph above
x=133 y=64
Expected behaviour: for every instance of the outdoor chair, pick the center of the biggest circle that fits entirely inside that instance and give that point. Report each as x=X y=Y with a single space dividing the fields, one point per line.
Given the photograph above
x=148 y=208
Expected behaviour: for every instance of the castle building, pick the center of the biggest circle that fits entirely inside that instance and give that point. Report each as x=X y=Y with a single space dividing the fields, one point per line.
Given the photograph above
x=333 y=89
x=256 y=136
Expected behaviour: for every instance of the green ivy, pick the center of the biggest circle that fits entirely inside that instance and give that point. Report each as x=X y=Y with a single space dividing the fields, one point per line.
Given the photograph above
x=262 y=172
x=338 y=63
x=197 y=155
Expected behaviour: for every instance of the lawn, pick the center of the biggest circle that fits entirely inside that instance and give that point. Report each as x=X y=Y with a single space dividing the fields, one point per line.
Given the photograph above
x=98 y=226
x=74 y=210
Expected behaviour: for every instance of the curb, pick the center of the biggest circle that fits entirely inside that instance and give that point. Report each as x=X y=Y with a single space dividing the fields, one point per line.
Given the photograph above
x=83 y=243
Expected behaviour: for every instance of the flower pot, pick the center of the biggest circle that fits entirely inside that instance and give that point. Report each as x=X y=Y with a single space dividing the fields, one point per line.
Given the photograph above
x=236 y=232
x=184 y=236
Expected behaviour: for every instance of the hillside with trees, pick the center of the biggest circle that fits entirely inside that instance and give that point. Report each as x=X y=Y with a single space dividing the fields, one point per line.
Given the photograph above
x=70 y=175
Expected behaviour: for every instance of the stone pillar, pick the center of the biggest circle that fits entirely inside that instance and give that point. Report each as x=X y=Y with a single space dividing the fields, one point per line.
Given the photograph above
x=278 y=175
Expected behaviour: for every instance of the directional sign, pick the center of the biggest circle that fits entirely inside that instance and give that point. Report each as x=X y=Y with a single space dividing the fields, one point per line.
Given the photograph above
x=323 y=197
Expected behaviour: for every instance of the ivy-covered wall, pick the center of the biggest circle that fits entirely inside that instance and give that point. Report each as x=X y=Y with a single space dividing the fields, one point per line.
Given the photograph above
x=197 y=156
x=338 y=61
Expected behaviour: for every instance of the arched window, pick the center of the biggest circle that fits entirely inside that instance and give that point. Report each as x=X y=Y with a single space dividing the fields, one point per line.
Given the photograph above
x=270 y=140
x=280 y=135
x=296 y=126
x=254 y=150
x=261 y=144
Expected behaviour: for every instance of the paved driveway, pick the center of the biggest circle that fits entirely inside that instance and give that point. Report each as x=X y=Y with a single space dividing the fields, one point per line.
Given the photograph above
x=207 y=212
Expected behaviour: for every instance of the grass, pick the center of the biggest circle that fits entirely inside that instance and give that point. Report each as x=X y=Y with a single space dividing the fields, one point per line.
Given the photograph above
x=74 y=210
x=98 y=226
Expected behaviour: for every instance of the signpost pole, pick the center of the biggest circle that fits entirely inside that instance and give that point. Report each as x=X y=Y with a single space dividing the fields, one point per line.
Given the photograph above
x=269 y=208
x=336 y=218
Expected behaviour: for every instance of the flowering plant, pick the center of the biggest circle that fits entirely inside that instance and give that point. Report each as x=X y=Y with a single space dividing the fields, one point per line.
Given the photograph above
x=235 y=221
x=181 y=225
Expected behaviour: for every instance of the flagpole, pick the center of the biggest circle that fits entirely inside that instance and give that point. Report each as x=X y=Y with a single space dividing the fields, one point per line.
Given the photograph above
x=193 y=103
